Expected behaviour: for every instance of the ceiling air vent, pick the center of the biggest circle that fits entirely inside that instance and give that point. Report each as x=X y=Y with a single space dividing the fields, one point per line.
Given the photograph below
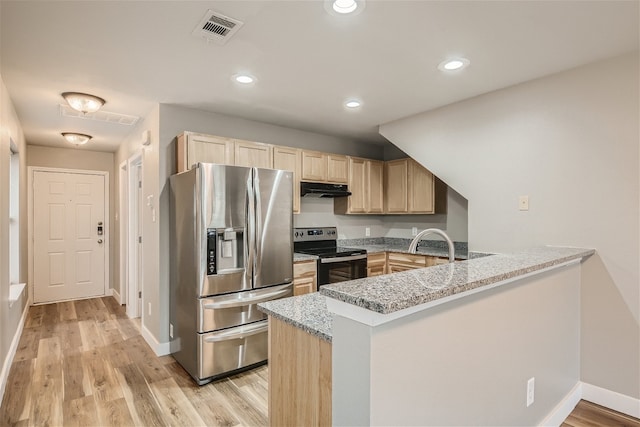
x=217 y=27
x=100 y=116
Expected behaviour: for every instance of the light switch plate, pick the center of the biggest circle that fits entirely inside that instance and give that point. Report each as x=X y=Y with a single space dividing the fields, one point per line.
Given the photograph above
x=523 y=203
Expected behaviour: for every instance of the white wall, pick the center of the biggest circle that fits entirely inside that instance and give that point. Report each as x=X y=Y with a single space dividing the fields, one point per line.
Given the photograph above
x=152 y=294
x=570 y=142
x=315 y=212
x=465 y=362
x=10 y=130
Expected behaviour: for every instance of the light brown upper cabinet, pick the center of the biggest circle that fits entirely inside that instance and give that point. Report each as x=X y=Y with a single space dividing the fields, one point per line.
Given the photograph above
x=366 y=187
x=314 y=166
x=337 y=169
x=253 y=154
x=287 y=158
x=395 y=191
x=195 y=147
x=324 y=167
x=412 y=189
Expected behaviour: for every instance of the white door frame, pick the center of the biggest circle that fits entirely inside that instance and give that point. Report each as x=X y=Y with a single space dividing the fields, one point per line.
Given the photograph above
x=134 y=210
x=107 y=225
x=123 y=214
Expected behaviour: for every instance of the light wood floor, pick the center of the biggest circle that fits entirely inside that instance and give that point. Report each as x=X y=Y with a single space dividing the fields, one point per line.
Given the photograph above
x=588 y=414
x=85 y=363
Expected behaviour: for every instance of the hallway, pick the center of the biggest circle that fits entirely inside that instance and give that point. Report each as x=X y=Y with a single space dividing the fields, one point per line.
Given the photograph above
x=85 y=363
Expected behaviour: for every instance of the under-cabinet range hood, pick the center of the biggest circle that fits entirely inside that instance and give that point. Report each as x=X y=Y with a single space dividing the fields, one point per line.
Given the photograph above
x=319 y=189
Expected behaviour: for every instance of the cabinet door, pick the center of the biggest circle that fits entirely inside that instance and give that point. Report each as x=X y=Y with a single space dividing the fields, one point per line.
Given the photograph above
x=376 y=264
x=420 y=189
x=286 y=158
x=314 y=166
x=337 y=169
x=357 y=185
x=194 y=147
x=396 y=186
x=374 y=202
x=253 y=154
x=304 y=277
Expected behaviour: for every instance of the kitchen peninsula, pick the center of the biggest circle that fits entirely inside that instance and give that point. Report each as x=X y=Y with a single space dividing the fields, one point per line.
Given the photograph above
x=449 y=344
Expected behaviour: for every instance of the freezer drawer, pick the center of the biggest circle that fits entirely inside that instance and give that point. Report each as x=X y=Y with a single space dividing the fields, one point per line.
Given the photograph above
x=231 y=349
x=237 y=309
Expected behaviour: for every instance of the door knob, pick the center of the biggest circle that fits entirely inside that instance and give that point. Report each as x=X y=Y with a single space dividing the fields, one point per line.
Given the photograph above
x=99 y=240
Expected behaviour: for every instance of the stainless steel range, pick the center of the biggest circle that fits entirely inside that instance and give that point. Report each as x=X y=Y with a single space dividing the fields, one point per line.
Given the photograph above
x=335 y=263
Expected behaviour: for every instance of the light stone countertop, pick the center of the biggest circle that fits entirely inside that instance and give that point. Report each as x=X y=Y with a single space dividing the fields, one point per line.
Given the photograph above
x=307 y=312
x=297 y=257
x=393 y=292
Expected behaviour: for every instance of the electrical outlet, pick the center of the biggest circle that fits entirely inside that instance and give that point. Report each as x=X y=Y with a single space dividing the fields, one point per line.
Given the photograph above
x=531 y=393
x=367 y=231
x=523 y=203
x=414 y=231
x=171 y=330
x=149 y=309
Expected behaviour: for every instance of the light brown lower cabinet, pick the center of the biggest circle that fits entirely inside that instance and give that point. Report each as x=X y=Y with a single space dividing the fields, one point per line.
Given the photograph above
x=376 y=264
x=304 y=277
x=299 y=377
x=397 y=261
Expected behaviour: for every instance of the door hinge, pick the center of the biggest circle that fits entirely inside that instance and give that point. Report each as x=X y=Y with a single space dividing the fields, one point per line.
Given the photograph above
x=139 y=239
x=139 y=294
x=139 y=184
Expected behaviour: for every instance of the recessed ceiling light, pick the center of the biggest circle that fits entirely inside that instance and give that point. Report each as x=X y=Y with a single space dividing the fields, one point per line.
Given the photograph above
x=344 y=7
x=352 y=103
x=244 y=79
x=454 y=64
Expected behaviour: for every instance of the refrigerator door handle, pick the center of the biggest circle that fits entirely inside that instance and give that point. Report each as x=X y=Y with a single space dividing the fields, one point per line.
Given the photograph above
x=257 y=214
x=234 y=334
x=239 y=302
x=250 y=237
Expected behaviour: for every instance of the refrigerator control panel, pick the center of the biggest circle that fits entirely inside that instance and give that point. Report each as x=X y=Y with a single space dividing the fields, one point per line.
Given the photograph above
x=211 y=251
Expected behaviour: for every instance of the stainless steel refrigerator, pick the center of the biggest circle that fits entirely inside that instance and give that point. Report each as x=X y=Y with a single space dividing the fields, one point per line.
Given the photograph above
x=231 y=248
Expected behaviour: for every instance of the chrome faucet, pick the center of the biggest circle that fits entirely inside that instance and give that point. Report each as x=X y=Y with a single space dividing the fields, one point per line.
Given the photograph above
x=413 y=247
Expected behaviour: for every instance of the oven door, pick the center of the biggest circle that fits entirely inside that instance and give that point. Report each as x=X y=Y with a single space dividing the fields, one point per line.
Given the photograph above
x=341 y=269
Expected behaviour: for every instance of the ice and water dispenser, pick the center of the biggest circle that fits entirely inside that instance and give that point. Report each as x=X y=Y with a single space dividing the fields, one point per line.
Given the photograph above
x=225 y=250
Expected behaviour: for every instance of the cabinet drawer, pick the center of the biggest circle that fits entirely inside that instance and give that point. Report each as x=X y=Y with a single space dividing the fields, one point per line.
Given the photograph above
x=410 y=260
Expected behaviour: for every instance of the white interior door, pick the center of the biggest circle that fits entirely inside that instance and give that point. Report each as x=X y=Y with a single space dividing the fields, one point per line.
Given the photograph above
x=69 y=236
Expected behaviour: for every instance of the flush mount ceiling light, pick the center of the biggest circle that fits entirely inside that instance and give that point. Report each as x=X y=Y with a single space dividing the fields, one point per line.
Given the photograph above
x=83 y=102
x=76 y=138
x=243 y=78
x=344 y=7
x=352 y=104
x=454 y=64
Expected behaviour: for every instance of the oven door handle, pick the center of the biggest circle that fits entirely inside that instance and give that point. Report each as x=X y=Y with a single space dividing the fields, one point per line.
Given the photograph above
x=342 y=259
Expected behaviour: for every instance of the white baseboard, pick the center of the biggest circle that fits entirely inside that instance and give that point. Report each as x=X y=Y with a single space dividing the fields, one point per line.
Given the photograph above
x=116 y=295
x=109 y=292
x=564 y=408
x=160 y=349
x=6 y=367
x=611 y=399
